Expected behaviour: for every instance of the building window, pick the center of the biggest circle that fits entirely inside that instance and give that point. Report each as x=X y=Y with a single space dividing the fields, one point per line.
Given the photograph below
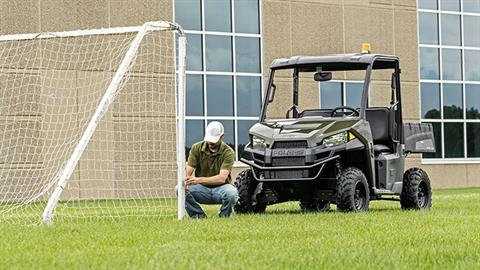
x=340 y=93
x=449 y=59
x=224 y=69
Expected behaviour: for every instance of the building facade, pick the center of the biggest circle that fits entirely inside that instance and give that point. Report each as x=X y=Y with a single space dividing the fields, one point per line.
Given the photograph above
x=232 y=42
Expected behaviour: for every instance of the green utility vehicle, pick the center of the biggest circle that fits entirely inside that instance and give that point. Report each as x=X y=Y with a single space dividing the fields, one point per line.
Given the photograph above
x=334 y=148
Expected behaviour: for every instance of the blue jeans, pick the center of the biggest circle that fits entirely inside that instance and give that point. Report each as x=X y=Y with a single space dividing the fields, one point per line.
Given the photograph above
x=226 y=195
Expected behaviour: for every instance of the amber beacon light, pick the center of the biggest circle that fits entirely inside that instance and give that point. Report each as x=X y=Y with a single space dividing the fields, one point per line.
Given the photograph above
x=366 y=48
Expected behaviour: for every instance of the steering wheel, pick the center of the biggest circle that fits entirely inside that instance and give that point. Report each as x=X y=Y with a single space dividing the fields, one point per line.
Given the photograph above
x=354 y=112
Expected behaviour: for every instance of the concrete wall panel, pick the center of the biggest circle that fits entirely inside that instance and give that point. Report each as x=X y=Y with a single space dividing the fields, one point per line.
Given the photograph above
x=20 y=183
x=19 y=16
x=144 y=140
x=316 y=29
x=473 y=175
x=372 y=25
x=21 y=140
x=20 y=55
x=20 y=96
x=58 y=15
x=277 y=36
x=380 y=94
x=406 y=45
x=137 y=12
x=282 y=101
x=410 y=102
x=447 y=175
x=309 y=96
x=145 y=180
x=147 y=95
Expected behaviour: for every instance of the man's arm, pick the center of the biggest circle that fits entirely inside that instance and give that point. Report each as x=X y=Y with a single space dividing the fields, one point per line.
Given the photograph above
x=188 y=171
x=208 y=181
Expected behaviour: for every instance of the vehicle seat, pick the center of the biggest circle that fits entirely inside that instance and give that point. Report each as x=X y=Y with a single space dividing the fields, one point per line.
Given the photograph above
x=315 y=112
x=379 y=124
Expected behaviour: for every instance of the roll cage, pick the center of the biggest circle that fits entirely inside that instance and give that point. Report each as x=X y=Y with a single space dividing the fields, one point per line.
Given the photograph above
x=346 y=62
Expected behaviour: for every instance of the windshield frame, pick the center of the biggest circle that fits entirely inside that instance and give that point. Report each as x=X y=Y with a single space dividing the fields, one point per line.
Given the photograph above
x=295 y=77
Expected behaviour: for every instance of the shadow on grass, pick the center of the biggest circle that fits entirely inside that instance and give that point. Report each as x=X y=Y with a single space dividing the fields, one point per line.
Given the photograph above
x=291 y=211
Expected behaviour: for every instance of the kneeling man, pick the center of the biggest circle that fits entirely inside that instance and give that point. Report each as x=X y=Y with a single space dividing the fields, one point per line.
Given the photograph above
x=211 y=160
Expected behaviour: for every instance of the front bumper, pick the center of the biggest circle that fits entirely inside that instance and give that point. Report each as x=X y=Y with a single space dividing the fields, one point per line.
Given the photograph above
x=293 y=164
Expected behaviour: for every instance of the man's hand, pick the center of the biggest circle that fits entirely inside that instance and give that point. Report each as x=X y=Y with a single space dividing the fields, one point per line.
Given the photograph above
x=192 y=180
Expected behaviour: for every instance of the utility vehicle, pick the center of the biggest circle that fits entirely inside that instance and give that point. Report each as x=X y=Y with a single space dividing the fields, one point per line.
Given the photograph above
x=337 y=150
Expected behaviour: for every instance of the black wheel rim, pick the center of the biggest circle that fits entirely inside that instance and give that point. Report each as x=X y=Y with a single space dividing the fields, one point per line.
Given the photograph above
x=422 y=194
x=359 y=196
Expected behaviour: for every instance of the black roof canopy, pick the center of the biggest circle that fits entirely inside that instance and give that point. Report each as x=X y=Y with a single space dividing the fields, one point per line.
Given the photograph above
x=336 y=62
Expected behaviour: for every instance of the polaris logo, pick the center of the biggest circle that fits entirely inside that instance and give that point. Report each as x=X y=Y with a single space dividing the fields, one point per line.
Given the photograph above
x=288 y=152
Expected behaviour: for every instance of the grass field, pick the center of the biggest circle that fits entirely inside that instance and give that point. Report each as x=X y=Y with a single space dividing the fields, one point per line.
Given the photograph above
x=447 y=237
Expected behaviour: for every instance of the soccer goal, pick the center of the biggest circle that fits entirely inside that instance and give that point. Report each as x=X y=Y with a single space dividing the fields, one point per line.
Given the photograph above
x=92 y=123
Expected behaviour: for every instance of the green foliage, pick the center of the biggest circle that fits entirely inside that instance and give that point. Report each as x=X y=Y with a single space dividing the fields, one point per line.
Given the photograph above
x=447 y=237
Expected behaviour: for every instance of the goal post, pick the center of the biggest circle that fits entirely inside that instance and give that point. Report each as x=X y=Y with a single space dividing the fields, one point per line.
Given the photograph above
x=108 y=137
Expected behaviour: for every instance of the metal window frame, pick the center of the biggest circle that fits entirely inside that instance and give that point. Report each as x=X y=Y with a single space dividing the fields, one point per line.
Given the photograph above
x=233 y=34
x=441 y=81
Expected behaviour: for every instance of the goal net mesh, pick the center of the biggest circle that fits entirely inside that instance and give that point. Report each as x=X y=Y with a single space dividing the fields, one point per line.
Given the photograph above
x=50 y=89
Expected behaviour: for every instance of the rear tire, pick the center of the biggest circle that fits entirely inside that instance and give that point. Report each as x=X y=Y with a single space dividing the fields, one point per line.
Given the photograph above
x=314 y=206
x=246 y=185
x=416 y=190
x=353 y=193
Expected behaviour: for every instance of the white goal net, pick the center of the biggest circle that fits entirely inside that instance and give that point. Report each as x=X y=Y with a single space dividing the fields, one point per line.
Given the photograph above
x=88 y=123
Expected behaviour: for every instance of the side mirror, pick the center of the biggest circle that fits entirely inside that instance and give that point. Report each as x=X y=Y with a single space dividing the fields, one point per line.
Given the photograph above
x=322 y=76
x=272 y=96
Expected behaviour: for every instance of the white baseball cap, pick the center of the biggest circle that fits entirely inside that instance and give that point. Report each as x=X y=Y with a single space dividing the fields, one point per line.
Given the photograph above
x=213 y=132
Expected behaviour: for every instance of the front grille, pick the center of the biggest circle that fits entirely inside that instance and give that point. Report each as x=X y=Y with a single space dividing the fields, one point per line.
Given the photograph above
x=290 y=144
x=292 y=174
x=288 y=161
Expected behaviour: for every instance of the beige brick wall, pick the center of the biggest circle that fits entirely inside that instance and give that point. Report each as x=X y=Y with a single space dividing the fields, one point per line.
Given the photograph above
x=138 y=164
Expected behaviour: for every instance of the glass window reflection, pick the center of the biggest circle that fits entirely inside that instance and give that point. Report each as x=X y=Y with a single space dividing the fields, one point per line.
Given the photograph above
x=194 y=52
x=427 y=4
x=471 y=6
x=472 y=65
x=450 y=29
x=219 y=95
x=450 y=5
x=452 y=101
x=194 y=95
x=217 y=15
x=247 y=53
x=248 y=96
x=472 y=98
x=246 y=16
x=194 y=132
x=473 y=140
x=330 y=95
x=430 y=100
x=429 y=64
x=353 y=94
x=471 y=25
x=218 y=53
x=187 y=14
x=428 y=28
x=454 y=142
x=451 y=64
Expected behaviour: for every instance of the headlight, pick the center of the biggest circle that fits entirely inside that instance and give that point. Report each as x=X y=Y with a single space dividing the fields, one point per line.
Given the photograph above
x=258 y=143
x=337 y=139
